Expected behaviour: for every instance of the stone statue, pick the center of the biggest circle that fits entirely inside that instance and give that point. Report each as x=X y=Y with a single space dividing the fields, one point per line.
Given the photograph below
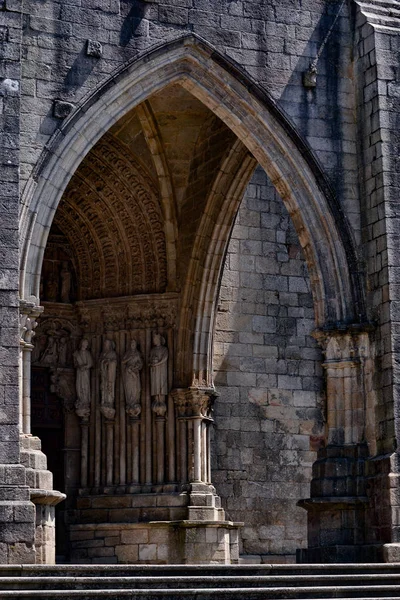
x=50 y=355
x=65 y=283
x=108 y=371
x=158 y=361
x=132 y=364
x=83 y=362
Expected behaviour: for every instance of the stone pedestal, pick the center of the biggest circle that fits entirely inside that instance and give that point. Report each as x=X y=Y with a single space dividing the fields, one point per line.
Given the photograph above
x=337 y=508
x=341 y=487
x=17 y=517
x=43 y=497
x=155 y=542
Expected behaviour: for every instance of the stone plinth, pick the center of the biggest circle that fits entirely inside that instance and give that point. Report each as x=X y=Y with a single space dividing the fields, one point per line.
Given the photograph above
x=157 y=542
x=40 y=481
x=337 y=508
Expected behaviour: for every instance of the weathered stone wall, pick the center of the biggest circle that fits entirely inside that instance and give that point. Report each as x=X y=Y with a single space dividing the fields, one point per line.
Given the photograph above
x=269 y=416
x=273 y=42
x=16 y=510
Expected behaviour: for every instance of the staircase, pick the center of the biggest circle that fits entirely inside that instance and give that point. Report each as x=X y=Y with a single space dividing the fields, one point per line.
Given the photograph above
x=175 y=582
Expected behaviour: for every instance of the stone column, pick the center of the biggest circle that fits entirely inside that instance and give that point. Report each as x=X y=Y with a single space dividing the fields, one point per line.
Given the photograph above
x=28 y=322
x=338 y=502
x=204 y=503
x=179 y=398
x=205 y=537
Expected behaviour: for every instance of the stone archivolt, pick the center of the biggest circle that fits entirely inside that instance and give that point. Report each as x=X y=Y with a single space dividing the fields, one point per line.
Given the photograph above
x=111 y=216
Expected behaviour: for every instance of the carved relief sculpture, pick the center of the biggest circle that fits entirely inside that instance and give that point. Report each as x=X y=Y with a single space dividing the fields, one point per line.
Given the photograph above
x=158 y=361
x=132 y=364
x=62 y=381
x=50 y=355
x=65 y=283
x=108 y=371
x=83 y=362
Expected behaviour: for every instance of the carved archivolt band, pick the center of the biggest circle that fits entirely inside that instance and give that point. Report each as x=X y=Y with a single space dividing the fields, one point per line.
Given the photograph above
x=111 y=215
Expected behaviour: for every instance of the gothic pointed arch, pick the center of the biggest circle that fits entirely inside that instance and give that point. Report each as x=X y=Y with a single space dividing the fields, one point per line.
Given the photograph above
x=260 y=126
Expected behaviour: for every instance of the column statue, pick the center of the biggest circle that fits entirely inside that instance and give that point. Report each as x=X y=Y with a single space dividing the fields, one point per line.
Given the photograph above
x=158 y=360
x=83 y=362
x=108 y=371
x=132 y=364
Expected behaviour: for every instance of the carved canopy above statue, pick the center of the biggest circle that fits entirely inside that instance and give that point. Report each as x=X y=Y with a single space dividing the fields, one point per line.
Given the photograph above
x=111 y=217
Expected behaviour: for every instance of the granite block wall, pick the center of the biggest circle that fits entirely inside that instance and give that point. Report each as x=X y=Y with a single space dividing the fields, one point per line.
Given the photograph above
x=270 y=412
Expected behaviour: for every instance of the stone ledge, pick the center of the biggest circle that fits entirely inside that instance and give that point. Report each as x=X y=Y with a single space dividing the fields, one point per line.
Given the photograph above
x=50 y=497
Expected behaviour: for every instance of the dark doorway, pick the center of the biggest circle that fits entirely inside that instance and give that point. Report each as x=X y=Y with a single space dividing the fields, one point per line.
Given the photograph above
x=48 y=425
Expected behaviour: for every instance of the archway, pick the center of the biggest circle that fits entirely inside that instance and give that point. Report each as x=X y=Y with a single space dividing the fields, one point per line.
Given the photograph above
x=185 y=262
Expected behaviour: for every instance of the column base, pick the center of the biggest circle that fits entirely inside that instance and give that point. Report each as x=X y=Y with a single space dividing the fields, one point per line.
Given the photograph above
x=17 y=517
x=391 y=553
x=43 y=497
x=155 y=543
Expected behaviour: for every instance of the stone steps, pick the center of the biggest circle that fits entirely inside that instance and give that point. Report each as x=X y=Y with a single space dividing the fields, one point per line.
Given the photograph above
x=205 y=582
x=385 y=13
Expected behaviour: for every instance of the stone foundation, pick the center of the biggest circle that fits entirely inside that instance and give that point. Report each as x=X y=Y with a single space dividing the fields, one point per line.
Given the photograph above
x=180 y=542
x=40 y=481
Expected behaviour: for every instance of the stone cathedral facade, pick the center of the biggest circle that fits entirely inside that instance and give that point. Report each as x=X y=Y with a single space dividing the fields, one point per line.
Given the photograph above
x=199 y=281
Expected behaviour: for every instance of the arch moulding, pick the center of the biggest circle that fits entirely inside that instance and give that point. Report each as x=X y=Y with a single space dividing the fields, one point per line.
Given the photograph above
x=248 y=111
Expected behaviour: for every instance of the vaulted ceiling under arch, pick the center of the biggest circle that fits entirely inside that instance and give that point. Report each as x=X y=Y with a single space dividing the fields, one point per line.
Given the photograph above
x=129 y=216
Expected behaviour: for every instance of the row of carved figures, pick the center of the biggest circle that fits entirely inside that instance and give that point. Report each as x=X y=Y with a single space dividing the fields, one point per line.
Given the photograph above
x=132 y=363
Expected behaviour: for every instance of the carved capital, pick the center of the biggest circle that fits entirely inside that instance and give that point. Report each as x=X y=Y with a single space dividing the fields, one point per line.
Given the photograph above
x=29 y=313
x=342 y=348
x=179 y=398
x=199 y=402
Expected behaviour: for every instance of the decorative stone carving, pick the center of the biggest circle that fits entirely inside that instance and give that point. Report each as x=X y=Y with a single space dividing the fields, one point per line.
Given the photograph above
x=108 y=372
x=66 y=279
x=92 y=218
x=50 y=355
x=180 y=401
x=198 y=402
x=132 y=364
x=27 y=328
x=158 y=361
x=83 y=362
x=64 y=386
